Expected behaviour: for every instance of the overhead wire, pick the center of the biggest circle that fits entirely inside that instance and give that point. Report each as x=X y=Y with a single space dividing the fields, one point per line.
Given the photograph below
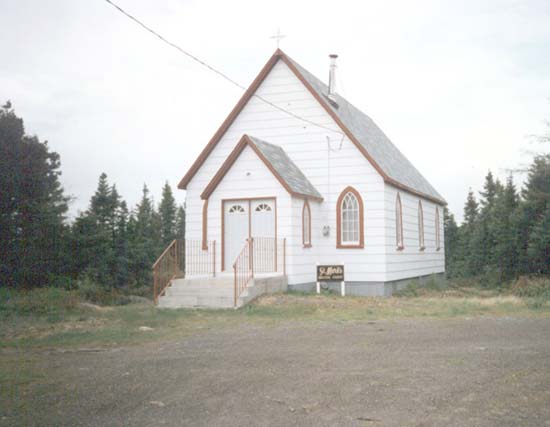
x=214 y=70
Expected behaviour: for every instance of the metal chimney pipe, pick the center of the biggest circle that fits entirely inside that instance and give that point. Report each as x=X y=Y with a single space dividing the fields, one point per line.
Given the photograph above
x=332 y=76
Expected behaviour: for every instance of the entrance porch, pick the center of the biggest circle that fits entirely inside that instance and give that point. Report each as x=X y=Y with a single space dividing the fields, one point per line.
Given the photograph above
x=185 y=274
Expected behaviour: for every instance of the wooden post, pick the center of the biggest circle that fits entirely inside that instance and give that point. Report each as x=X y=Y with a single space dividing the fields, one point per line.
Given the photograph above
x=318 y=284
x=343 y=286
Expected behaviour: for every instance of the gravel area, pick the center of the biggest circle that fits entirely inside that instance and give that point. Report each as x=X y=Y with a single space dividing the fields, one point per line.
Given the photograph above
x=477 y=371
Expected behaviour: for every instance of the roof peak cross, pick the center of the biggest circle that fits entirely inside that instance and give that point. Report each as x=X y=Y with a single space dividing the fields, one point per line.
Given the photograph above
x=278 y=36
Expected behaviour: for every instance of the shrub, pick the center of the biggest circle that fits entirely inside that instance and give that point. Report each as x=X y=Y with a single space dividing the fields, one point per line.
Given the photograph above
x=411 y=290
x=532 y=287
x=99 y=294
x=38 y=301
x=433 y=283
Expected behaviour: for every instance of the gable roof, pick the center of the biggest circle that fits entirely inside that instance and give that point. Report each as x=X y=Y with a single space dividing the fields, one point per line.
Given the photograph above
x=390 y=163
x=276 y=160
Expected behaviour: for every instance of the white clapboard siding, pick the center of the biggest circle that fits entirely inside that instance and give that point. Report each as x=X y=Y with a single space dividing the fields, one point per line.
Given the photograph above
x=411 y=261
x=248 y=177
x=330 y=171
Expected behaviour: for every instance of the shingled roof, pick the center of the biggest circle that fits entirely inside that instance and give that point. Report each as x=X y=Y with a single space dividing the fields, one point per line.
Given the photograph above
x=385 y=157
x=277 y=161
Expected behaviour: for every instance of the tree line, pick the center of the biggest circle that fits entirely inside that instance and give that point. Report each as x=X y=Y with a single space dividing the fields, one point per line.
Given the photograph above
x=505 y=233
x=108 y=244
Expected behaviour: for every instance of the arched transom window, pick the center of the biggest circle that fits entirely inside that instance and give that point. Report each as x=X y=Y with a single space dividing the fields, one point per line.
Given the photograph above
x=306 y=225
x=399 y=223
x=263 y=207
x=421 y=244
x=236 y=209
x=437 y=230
x=350 y=219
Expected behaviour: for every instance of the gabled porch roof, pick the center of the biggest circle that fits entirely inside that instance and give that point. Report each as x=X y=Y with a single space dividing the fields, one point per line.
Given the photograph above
x=276 y=160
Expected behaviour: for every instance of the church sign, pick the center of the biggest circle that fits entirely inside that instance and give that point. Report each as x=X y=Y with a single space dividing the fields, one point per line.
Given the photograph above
x=330 y=273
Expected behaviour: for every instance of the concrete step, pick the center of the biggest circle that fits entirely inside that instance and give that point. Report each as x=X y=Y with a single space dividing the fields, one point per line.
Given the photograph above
x=212 y=281
x=196 y=301
x=218 y=292
x=199 y=291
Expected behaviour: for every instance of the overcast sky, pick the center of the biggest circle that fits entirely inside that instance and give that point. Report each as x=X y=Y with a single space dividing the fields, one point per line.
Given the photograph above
x=458 y=86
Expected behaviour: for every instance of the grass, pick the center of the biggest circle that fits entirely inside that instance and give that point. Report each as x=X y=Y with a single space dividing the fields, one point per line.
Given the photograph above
x=52 y=317
x=56 y=319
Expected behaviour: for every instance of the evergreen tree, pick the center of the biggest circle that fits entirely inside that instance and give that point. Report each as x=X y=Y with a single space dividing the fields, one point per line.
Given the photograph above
x=539 y=244
x=121 y=242
x=490 y=189
x=467 y=263
x=143 y=246
x=451 y=242
x=167 y=211
x=470 y=209
x=503 y=229
x=180 y=223
x=535 y=199
x=32 y=206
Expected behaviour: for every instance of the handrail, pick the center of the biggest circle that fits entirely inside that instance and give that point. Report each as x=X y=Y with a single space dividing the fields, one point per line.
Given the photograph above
x=258 y=255
x=243 y=269
x=180 y=259
x=164 y=253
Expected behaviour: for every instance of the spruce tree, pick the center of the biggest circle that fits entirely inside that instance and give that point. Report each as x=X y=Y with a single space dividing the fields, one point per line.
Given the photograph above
x=539 y=244
x=451 y=242
x=180 y=223
x=32 y=206
x=503 y=229
x=466 y=251
x=144 y=249
x=167 y=211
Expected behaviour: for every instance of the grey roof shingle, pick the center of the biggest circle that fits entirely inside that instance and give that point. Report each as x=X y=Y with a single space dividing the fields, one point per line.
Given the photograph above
x=286 y=168
x=394 y=164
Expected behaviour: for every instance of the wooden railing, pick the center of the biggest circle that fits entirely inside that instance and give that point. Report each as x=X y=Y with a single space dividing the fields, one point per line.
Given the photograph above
x=258 y=255
x=180 y=259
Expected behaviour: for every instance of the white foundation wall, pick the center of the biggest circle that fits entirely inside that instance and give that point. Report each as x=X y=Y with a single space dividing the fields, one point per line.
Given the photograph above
x=329 y=170
x=411 y=261
x=248 y=177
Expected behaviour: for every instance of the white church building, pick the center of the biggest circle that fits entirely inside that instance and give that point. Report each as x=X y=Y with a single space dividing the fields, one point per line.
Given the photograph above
x=297 y=177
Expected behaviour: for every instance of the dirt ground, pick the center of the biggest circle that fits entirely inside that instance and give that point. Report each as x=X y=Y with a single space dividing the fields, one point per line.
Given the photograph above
x=478 y=371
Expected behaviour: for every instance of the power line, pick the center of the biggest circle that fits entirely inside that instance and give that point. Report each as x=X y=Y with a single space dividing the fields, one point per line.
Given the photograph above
x=221 y=74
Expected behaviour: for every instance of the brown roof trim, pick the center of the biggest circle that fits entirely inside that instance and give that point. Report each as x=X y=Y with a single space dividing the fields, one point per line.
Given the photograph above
x=233 y=156
x=325 y=104
x=229 y=120
x=279 y=54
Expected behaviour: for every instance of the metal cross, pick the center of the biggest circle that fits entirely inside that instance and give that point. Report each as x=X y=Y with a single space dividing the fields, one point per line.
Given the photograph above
x=278 y=36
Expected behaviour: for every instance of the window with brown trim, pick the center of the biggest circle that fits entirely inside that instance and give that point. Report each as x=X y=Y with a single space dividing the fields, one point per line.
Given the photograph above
x=306 y=225
x=399 y=223
x=421 y=244
x=437 y=230
x=349 y=220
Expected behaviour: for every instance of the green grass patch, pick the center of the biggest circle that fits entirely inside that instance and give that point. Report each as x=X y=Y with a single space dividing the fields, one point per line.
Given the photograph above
x=57 y=318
